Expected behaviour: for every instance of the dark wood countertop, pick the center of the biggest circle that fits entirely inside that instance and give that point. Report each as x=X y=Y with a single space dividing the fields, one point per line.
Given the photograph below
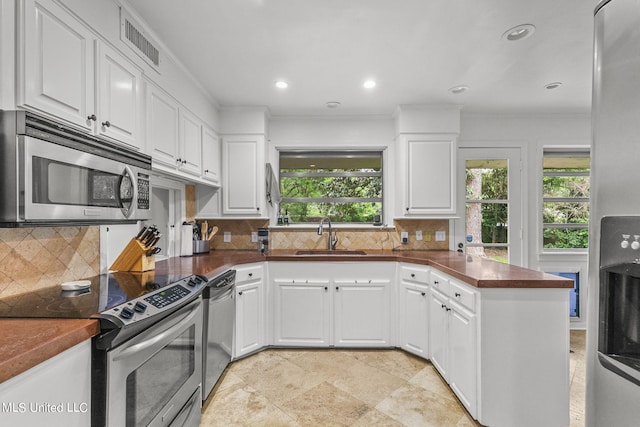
x=476 y=271
x=24 y=343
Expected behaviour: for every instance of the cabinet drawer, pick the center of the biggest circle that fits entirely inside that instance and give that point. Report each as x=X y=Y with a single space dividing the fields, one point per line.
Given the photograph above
x=440 y=282
x=244 y=274
x=420 y=275
x=463 y=295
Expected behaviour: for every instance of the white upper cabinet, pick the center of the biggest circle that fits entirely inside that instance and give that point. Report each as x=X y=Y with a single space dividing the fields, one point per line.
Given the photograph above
x=211 y=152
x=243 y=160
x=162 y=126
x=429 y=161
x=57 y=61
x=63 y=65
x=190 y=160
x=120 y=96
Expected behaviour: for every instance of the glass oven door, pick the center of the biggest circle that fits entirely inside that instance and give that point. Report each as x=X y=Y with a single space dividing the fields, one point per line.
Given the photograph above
x=154 y=375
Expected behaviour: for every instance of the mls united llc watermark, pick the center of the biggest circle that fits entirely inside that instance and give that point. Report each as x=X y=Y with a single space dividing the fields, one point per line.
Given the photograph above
x=44 y=407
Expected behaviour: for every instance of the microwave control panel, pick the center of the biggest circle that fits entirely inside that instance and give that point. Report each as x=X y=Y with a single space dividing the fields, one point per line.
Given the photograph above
x=143 y=191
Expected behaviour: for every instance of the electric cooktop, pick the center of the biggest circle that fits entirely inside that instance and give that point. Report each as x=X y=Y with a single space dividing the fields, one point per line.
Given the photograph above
x=106 y=291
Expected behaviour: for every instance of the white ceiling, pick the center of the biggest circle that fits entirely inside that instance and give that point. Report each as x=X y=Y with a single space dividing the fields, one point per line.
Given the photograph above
x=415 y=49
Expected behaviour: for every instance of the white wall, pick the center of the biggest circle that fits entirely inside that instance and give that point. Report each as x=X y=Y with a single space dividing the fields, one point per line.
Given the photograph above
x=532 y=133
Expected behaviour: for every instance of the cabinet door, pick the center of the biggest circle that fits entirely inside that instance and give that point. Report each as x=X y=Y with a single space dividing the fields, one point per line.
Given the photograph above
x=438 y=332
x=302 y=313
x=362 y=313
x=462 y=357
x=414 y=319
x=249 y=318
x=162 y=126
x=210 y=155
x=58 y=64
x=431 y=176
x=120 y=96
x=190 y=144
x=243 y=175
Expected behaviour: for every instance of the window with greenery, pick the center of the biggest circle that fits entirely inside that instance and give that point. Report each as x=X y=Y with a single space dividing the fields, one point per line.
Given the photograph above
x=565 y=186
x=345 y=186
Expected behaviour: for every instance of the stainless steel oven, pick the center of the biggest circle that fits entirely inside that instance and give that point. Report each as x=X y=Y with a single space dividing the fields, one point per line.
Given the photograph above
x=147 y=359
x=55 y=174
x=156 y=375
x=619 y=328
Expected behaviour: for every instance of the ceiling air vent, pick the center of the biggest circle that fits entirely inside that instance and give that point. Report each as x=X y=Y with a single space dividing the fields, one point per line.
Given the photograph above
x=132 y=34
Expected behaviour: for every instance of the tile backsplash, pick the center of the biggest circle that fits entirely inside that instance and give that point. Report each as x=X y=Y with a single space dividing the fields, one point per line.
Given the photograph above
x=283 y=237
x=35 y=258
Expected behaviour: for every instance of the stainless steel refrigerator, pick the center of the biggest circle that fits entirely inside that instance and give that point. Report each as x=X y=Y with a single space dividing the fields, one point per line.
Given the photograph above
x=613 y=398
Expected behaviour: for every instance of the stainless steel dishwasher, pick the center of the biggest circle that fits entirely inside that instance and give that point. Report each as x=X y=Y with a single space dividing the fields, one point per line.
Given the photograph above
x=217 y=334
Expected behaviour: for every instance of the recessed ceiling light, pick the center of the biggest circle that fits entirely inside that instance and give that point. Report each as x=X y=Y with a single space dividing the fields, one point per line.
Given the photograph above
x=281 y=84
x=553 y=85
x=519 y=33
x=459 y=89
x=369 y=84
x=333 y=104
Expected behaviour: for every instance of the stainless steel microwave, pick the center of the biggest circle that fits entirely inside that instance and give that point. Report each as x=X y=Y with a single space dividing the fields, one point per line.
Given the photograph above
x=53 y=174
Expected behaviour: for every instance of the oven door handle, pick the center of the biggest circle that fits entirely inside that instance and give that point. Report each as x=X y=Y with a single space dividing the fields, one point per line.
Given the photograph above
x=185 y=319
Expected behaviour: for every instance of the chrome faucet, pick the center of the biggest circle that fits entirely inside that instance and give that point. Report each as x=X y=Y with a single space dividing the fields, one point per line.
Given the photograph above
x=332 y=239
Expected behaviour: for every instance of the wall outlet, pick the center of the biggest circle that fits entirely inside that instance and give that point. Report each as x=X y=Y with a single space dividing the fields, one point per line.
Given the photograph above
x=227 y=236
x=441 y=236
x=418 y=235
x=404 y=237
x=254 y=236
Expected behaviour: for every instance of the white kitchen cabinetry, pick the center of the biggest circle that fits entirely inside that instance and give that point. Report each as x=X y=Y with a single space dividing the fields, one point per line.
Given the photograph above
x=211 y=152
x=453 y=336
x=57 y=392
x=243 y=163
x=413 y=310
x=303 y=315
x=163 y=115
x=362 y=313
x=190 y=143
x=430 y=179
x=340 y=304
x=63 y=66
x=250 y=309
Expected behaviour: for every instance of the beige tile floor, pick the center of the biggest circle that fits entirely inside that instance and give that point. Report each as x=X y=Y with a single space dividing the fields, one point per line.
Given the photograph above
x=349 y=388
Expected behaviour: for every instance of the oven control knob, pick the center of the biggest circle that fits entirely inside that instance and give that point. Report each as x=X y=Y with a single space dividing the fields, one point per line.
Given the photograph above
x=126 y=313
x=140 y=307
x=635 y=245
x=191 y=283
x=624 y=244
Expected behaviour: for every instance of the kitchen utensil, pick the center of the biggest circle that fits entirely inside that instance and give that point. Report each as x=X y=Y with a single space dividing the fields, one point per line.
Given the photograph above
x=203 y=230
x=213 y=232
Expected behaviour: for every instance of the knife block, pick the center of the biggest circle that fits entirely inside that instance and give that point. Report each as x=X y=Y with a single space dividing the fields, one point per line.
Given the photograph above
x=134 y=258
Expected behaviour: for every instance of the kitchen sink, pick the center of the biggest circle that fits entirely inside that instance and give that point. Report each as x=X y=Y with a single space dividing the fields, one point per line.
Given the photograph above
x=328 y=252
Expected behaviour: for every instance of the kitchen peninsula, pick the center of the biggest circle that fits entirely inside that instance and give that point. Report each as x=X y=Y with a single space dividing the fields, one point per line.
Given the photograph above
x=497 y=333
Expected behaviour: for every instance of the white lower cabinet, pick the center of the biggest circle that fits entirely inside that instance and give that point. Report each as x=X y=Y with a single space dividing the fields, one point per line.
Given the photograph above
x=341 y=304
x=57 y=392
x=453 y=339
x=303 y=317
x=362 y=313
x=250 y=310
x=413 y=310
